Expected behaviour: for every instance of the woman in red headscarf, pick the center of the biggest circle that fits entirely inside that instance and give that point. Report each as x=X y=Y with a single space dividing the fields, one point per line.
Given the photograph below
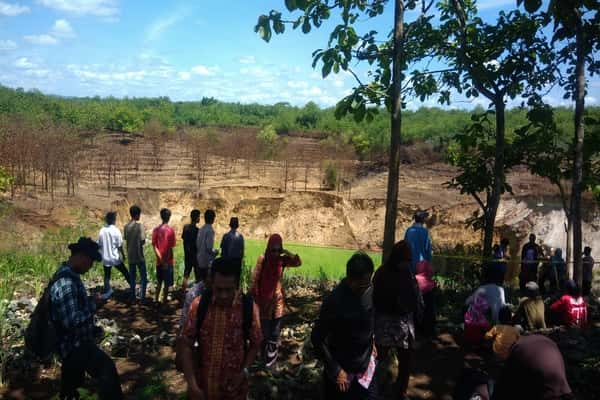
x=268 y=293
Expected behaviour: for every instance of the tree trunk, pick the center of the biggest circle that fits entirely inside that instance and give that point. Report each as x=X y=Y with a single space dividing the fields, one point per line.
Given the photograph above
x=578 y=167
x=569 y=259
x=391 y=201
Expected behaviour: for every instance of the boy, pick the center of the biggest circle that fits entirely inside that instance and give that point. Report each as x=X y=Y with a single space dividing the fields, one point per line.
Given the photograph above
x=189 y=235
x=163 y=241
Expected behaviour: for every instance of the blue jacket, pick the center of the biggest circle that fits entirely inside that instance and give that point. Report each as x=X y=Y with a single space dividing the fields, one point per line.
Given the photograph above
x=420 y=244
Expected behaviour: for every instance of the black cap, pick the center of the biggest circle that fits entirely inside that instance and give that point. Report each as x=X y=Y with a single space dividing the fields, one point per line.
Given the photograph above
x=88 y=247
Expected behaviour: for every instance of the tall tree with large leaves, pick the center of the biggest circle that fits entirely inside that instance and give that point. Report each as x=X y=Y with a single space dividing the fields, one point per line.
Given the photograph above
x=577 y=34
x=499 y=61
x=392 y=56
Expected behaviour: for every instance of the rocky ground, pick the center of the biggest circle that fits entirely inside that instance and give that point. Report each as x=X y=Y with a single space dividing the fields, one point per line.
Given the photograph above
x=140 y=340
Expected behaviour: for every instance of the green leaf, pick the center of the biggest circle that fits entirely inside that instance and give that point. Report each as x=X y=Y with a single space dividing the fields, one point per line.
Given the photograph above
x=327 y=68
x=532 y=5
x=290 y=5
x=306 y=26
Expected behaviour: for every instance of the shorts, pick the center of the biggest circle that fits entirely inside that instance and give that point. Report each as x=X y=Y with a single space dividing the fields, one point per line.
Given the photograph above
x=165 y=275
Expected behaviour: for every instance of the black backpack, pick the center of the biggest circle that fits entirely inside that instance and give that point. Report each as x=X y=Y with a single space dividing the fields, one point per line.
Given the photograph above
x=247 y=308
x=41 y=338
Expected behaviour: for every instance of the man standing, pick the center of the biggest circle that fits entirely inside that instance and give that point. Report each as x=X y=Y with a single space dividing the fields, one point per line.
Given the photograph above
x=163 y=241
x=588 y=271
x=189 y=236
x=111 y=247
x=343 y=334
x=72 y=312
x=226 y=325
x=135 y=236
x=531 y=253
x=420 y=242
x=206 y=241
x=232 y=243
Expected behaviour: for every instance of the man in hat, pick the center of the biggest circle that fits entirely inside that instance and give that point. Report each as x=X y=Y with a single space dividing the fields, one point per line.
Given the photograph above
x=531 y=311
x=420 y=242
x=72 y=312
x=232 y=244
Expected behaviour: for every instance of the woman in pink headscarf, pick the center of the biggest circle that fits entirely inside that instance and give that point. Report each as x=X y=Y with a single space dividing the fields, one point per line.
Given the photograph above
x=268 y=293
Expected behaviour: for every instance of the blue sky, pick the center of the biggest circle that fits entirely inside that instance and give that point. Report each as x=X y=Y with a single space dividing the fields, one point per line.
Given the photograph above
x=181 y=49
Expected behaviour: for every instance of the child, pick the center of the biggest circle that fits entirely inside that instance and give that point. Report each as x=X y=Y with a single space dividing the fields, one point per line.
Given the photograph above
x=503 y=334
x=476 y=320
x=570 y=309
x=163 y=241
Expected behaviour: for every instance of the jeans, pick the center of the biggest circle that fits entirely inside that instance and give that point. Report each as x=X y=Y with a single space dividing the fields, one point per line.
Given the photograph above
x=89 y=358
x=107 y=273
x=143 y=279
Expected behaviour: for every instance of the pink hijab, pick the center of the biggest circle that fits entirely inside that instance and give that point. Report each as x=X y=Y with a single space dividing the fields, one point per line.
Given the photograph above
x=271 y=270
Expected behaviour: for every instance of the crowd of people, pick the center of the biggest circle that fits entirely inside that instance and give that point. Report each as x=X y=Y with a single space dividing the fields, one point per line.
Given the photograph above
x=368 y=318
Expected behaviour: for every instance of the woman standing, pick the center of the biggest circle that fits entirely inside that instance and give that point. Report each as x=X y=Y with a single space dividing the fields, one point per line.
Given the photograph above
x=268 y=293
x=397 y=299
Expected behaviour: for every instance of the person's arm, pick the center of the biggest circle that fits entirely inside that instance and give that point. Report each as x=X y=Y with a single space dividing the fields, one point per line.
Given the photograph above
x=557 y=306
x=159 y=257
x=69 y=312
x=491 y=334
x=142 y=234
x=199 y=246
x=210 y=243
x=428 y=252
x=291 y=260
x=256 y=276
x=224 y=244
x=185 y=345
x=243 y=246
x=319 y=336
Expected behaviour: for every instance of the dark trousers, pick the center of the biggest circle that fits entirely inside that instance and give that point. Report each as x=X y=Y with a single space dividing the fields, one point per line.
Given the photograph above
x=270 y=330
x=89 y=358
x=427 y=326
x=356 y=391
x=143 y=279
x=107 y=273
x=586 y=287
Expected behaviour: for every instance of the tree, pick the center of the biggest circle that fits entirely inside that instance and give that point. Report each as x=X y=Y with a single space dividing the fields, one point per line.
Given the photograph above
x=390 y=55
x=499 y=61
x=577 y=31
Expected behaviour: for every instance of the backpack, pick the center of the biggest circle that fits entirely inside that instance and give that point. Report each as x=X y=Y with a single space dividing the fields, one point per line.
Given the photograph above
x=41 y=337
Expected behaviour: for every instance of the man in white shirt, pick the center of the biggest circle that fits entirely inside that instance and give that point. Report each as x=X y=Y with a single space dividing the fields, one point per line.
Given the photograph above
x=206 y=241
x=111 y=248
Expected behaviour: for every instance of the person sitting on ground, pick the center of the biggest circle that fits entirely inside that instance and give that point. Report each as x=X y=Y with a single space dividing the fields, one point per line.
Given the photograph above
x=232 y=243
x=163 y=242
x=111 y=247
x=226 y=325
x=530 y=314
x=494 y=296
x=397 y=300
x=588 y=271
x=190 y=253
x=477 y=319
x=531 y=254
x=342 y=335
x=72 y=312
x=570 y=309
x=504 y=334
x=535 y=369
x=420 y=241
x=135 y=237
x=558 y=265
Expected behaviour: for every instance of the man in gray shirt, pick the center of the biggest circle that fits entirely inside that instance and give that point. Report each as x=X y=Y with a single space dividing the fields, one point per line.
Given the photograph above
x=135 y=236
x=206 y=241
x=232 y=243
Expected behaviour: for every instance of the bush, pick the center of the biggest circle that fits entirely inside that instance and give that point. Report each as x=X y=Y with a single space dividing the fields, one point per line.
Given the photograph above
x=331 y=176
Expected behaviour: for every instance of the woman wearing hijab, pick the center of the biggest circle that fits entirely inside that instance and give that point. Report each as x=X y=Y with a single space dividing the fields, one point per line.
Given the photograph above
x=397 y=300
x=268 y=293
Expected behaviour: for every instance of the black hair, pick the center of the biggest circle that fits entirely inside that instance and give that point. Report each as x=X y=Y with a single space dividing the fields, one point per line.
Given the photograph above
x=505 y=242
x=195 y=215
x=110 y=218
x=165 y=214
x=359 y=265
x=505 y=316
x=420 y=216
x=572 y=288
x=587 y=250
x=209 y=216
x=135 y=211
x=496 y=247
x=226 y=267
x=234 y=222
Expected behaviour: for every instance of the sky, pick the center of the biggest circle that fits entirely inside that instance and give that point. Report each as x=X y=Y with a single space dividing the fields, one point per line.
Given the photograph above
x=184 y=50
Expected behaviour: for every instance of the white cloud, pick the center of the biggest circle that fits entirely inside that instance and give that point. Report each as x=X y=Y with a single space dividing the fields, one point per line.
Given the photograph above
x=158 y=27
x=591 y=99
x=338 y=83
x=38 y=73
x=6 y=45
x=24 y=62
x=297 y=85
x=99 y=8
x=12 y=10
x=44 y=40
x=314 y=91
x=203 y=70
x=184 y=76
x=247 y=60
x=62 y=28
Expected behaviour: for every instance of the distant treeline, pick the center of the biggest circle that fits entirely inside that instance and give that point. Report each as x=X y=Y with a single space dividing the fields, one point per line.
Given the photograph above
x=370 y=140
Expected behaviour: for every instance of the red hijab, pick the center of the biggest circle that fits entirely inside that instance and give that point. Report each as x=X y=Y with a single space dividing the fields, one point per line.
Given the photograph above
x=271 y=269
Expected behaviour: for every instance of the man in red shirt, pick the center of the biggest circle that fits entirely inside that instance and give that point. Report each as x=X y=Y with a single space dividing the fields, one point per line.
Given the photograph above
x=163 y=241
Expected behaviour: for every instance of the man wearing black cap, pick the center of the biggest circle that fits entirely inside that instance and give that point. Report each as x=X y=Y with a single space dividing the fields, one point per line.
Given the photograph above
x=72 y=312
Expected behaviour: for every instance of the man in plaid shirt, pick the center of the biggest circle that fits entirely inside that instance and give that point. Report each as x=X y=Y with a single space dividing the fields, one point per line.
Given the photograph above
x=73 y=316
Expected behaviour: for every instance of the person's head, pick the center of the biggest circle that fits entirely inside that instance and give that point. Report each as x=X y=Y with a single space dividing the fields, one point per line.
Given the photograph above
x=587 y=250
x=209 y=216
x=558 y=252
x=135 y=212
x=400 y=256
x=532 y=238
x=504 y=242
x=572 y=288
x=195 y=216
x=532 y=290
x=225 y=280
x=274 y=245
x=505 y=316
x=165 y=215
x=110 y=218
x=359 y=270
x=83 y=254
x=420 y=216
x=234 y=223
x=496 y=248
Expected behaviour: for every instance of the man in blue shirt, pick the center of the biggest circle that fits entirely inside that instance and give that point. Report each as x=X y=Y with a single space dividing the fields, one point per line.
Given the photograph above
x=420 y=242
x=72 y=312
x=232 y=244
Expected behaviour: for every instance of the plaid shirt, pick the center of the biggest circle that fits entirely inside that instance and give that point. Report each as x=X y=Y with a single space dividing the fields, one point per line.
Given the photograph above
x=72 y=311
